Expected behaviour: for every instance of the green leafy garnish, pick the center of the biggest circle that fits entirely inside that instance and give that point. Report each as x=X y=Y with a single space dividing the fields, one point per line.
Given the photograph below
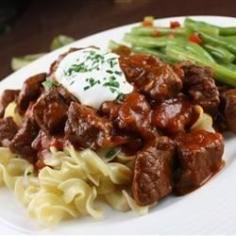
x=111 y=153
x=86 y=88
x=112 y=62
x=48 y=84
x=110 y=83
x=118 y=72
x=77 y=68
x=120 y=97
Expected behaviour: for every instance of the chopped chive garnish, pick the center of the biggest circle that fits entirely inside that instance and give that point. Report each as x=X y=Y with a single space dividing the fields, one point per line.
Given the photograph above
x=113 y=90
x=111 y=153
x=109 y=71
x=114 y=84
x=77 y=68
x=120 y=97
x=49 y=83
x=118 y=72
x=86 y=88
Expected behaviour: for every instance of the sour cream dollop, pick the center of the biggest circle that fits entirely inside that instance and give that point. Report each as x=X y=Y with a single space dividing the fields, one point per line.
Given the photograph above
x=93 y=76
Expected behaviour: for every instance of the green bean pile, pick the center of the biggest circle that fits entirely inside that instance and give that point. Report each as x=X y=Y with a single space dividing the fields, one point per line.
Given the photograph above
x=195 y=41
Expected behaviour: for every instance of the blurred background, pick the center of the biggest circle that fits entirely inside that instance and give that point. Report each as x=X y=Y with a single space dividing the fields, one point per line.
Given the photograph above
x=28 y=26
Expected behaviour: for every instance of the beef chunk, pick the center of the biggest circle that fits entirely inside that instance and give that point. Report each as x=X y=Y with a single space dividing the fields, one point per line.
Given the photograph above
x=50 y=112
x=8 y=129
x=22 y=141
x=199 y=156
x=110 y=109
x=7 y=97
x=30 y=91
x=152 y=178
x=67 y=96
x=41 y=142
x=44 y=142
x=85 y=129
x=229 y=108
x=200 y=85
x=132 y=115
x=174 y=115
x=151 y=76
x=122 y=50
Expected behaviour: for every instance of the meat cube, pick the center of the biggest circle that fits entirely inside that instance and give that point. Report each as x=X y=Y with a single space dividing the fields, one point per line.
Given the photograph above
x=110 y=109
x=132 y=115
x=151 y=76
x=85 y=129
x=152 y=178
x=174 y=115
x=122 y=50
x=66 y=95
x=229 y=108
x=21 y=143
x=44 y=142
x=30 y=91
x=199 y=158
x=50 y=112
x=8 y=129
x=7 y=97
x=41 y=142
x=200 y=85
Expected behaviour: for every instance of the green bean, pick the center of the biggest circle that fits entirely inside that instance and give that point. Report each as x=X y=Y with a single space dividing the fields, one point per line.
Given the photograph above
x=218 y=41
x=227 y=30
x=192 y=47
x=180 y=54
x=220 y=53
x=222 y=73
x=230 y=66
x=199 y=51
x=154 y=52
x=225 y=74
x=177 y=40
x=156 y=31
x=201 y=26
x=146 y=41
x=231 y=38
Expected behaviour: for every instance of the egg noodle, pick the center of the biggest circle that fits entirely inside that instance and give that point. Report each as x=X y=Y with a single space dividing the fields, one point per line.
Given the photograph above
x=73 y=182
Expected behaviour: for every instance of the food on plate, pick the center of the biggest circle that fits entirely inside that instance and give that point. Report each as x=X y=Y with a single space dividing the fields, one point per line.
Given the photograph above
x=195 y=41
x=121 y=127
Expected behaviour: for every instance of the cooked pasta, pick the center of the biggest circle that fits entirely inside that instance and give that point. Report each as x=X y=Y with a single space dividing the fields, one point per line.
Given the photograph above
x=10 y=111
x=204 y=121
x=70 y=188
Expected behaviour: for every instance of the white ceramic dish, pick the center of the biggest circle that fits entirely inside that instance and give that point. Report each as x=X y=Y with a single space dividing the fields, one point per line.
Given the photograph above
x=208 y=210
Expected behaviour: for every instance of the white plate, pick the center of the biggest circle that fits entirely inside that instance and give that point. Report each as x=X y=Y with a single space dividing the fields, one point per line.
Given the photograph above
x=208 y=210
